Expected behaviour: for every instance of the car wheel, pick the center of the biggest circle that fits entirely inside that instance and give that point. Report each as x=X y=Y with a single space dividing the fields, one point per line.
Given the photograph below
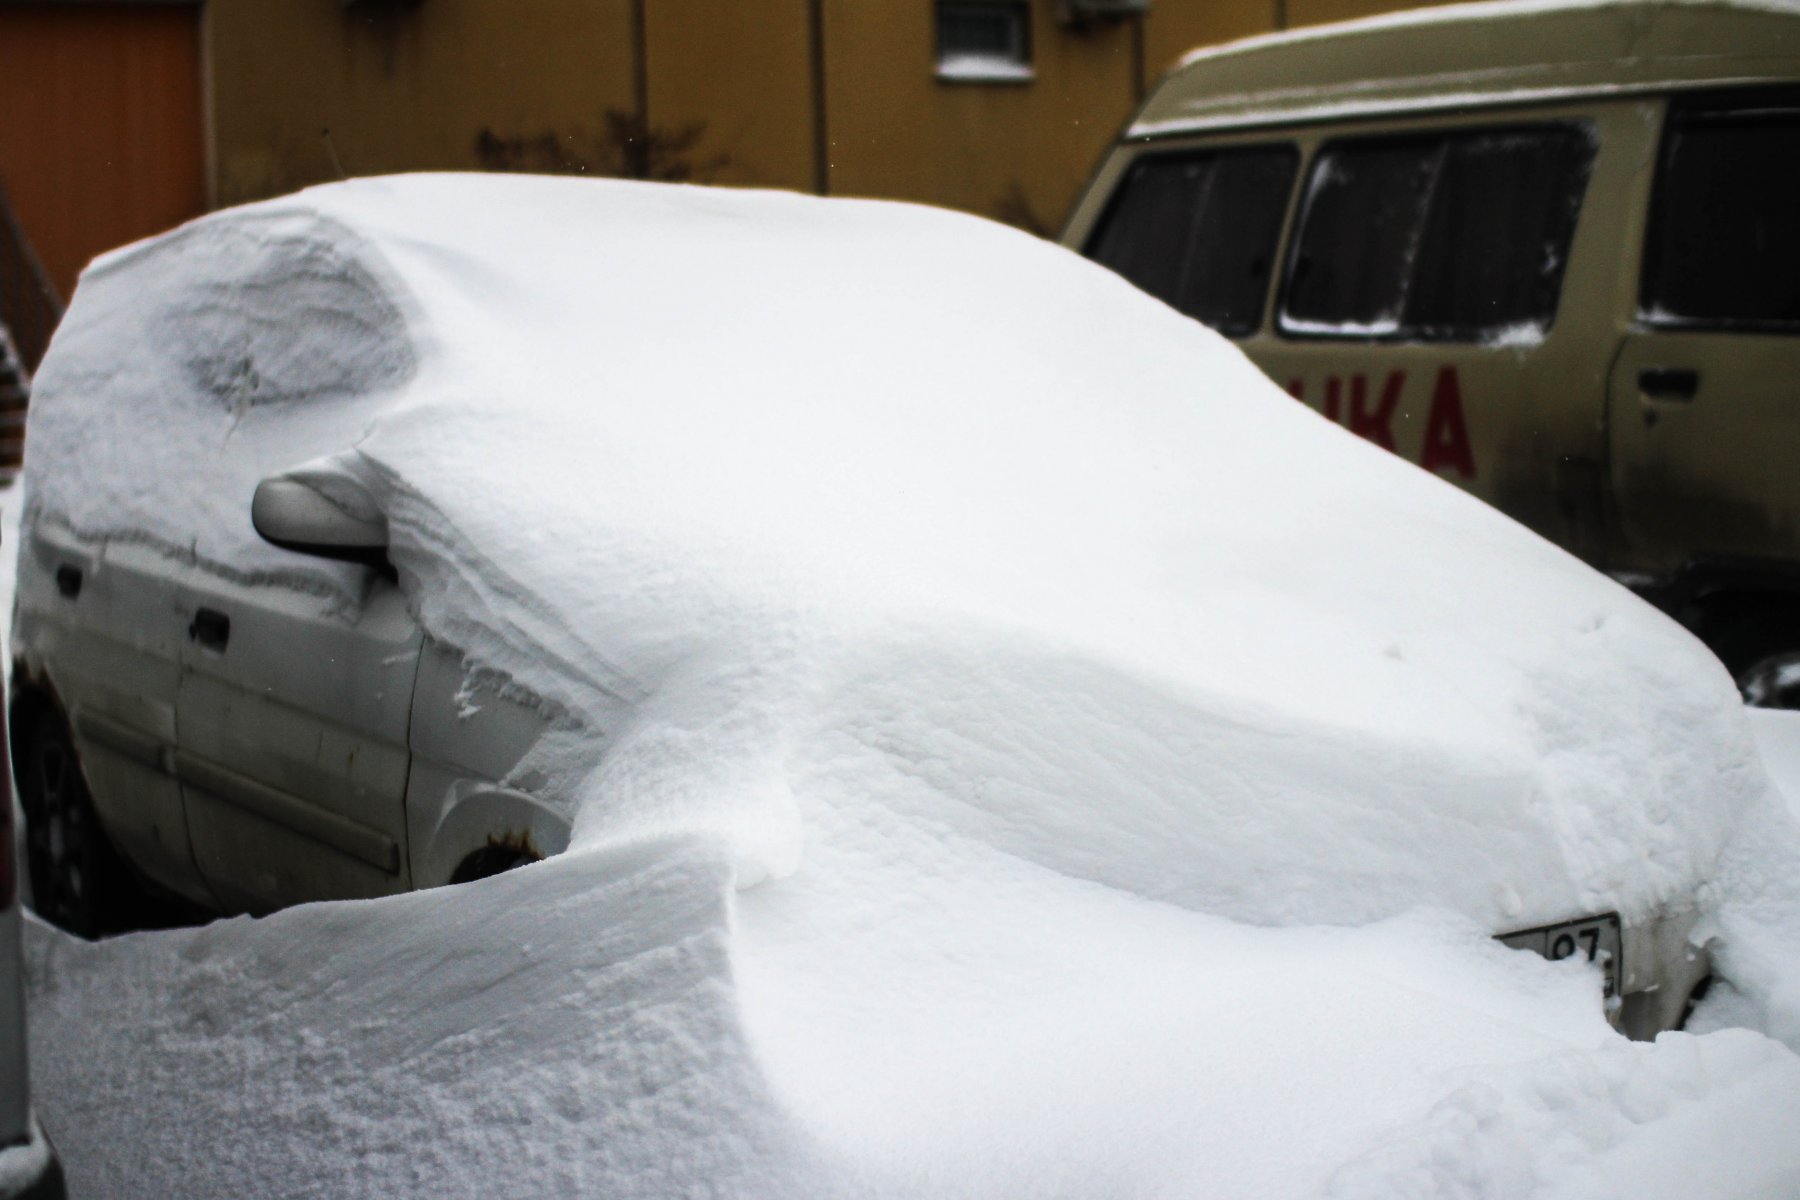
x=1693 y=1000
x=492 y=859
x=77 y=878
x=1772 y=681
x=1760 y=645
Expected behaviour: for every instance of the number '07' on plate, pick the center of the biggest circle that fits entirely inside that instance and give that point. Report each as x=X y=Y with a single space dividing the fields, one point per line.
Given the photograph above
x=1594 y=939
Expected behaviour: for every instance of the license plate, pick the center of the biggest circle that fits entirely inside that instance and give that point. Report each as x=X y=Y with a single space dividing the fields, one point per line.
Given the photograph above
x=1595 y=939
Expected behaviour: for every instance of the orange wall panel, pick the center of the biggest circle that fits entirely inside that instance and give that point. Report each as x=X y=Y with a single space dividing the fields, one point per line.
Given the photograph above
x=102 y=142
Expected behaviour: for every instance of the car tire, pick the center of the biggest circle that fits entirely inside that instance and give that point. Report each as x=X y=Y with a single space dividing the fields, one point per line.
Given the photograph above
x=1760 y=645
x=1772 y=681
x=1695 y=995
x=78 y=881
x=490 y=860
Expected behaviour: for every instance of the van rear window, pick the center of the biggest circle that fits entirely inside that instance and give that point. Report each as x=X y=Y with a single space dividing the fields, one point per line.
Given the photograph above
x=1724 y=243
x=1198 y=230
x=1444 y=237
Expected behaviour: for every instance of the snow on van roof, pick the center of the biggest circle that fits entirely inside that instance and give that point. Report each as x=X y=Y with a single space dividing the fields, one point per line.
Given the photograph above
x=961 y=654
x=1480 y=10
x=1455 y=56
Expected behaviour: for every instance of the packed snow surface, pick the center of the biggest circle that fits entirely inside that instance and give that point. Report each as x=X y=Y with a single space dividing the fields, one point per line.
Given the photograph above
x=1478 y=10
x=1018 y=750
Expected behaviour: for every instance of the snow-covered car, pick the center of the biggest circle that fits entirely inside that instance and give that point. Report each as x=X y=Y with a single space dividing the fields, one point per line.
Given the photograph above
x=28 y=1166
x=402 y=531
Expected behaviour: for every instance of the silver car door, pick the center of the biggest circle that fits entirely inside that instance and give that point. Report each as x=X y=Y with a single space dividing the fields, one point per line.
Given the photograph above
x=97 y=624
x=293 y=756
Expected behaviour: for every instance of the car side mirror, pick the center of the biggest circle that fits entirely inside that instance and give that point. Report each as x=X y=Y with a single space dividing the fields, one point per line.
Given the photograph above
x=297 y=515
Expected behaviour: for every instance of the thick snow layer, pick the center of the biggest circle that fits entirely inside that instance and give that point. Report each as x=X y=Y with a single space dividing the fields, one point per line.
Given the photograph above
x=1021 y=699
x=805 y=484
x=601 y=1025
x=1777 y=734
x=1478 y=10
x=1756 y=917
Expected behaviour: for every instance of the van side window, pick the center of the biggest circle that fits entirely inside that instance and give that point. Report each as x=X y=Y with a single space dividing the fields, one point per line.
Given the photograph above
x=1198 y=230
x=1442 y=237
x=1724 y=242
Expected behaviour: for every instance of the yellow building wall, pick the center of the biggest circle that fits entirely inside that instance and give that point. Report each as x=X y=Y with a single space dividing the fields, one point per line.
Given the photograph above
x=1018 y=151
x=733 y=83
x=728 y=91
x=404 y=89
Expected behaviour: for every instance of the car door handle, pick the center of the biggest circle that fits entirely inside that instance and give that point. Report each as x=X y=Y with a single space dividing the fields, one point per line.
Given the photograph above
x=1669 y=383
x=211 y=628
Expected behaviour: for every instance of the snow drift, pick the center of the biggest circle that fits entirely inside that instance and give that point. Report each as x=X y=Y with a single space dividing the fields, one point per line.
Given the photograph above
x=989 y=646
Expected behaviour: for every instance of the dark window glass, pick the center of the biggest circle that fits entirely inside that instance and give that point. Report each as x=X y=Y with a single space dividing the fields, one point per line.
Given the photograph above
x=1359 y=234
x=1452 y=237
x=1724 y=243
x=1198 y=231
x=976 y=33
x=1502 y=216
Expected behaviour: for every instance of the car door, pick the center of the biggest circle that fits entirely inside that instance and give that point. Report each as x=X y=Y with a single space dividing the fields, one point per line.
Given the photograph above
x=99 y=620
x=1704 y=393
x=293 y=710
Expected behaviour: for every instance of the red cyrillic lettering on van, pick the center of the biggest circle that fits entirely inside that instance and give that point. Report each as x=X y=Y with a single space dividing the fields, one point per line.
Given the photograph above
x=1446 y=432
x=1376 y=424
x=1297 y=388
x=1333 y=398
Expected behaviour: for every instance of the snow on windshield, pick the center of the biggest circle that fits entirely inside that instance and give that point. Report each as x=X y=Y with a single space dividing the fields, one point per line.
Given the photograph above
x=986 y=685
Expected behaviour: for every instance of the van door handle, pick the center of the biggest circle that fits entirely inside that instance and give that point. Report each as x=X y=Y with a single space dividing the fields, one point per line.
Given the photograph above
x=1669 y=383
x=211 y=628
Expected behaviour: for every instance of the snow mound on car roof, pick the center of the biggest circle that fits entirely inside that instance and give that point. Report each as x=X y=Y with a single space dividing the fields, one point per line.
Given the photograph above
x=809 y=484
x=993 y=629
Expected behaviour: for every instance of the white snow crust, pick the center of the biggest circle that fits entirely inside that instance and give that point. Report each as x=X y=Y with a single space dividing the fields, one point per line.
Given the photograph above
x=25 y=1164
x=1056 y=762
x=1439 y=14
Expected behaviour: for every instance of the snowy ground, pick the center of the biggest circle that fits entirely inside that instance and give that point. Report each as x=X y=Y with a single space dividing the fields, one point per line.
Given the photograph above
x=909 y=875
x=1778 y=737
x=1407 y=1059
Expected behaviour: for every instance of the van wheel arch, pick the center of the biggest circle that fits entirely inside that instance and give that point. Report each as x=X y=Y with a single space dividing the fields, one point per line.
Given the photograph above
x=1757 y=637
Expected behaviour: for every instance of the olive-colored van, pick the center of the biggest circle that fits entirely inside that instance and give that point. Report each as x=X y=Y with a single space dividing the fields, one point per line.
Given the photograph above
x=1551 y=253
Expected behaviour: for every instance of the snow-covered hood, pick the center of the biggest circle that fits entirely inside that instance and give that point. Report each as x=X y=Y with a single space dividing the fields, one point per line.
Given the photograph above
x=802 y=484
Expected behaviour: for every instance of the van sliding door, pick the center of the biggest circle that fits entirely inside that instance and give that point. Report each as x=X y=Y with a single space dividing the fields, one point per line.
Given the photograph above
x=1705 y=391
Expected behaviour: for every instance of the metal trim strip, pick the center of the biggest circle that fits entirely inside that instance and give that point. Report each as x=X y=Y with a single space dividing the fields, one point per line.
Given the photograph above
x=272 y=804
x=303 y=817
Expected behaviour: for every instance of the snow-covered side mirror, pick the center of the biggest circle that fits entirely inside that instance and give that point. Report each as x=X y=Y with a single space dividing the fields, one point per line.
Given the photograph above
x=295 y=514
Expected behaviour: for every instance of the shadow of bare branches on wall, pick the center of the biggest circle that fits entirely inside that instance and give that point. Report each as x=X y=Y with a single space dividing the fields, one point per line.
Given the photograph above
x=628 y=147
